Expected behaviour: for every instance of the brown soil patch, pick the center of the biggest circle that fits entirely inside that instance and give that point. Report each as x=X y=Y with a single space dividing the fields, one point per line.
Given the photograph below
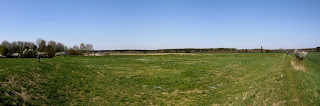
x=89 y=66
x=297 y=66
x=279 y=103
x=12 y=84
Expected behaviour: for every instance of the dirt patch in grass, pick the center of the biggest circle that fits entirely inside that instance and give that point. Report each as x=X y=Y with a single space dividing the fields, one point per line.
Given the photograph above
x=23 y=94
x=15 y=89
x=89 y=66
x=279 y=103
x=145 y=59
x=297 y=66
x=22 y=89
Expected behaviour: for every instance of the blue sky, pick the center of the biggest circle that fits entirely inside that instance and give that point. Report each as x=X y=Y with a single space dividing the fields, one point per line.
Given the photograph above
x=160 y=24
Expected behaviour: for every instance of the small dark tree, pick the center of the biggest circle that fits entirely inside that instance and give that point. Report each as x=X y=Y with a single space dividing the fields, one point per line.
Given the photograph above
x=82 y=47
x=51 y=51
x=71 y=51
x=52 y=44
x=59 y=47
x=74 y=52
x=3 y=50
x=318 y=49
x=75 y=47
x=42 y=46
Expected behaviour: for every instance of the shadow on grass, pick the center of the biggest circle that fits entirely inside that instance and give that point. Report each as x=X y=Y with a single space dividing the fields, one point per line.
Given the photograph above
x=45 y=63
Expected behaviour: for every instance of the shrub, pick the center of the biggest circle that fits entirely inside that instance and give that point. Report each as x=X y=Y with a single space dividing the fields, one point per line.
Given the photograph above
x=300 y=55
x=75 y=52
x=3 y=50
x=29 y=53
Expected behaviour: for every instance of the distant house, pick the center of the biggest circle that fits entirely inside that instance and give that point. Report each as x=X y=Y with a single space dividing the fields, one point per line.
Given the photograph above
x=107 y=53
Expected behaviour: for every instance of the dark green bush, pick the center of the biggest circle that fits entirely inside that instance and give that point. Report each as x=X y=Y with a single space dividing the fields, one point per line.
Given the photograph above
x=51 y=51
x=3 y=50
x=75 y=52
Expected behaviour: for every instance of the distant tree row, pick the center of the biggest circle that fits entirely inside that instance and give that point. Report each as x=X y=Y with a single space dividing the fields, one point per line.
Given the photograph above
x=76 y=50
x=213 y=50
x=45 y=49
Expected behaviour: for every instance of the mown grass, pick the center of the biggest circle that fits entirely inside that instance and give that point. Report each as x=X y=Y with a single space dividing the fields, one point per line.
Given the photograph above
x=199 y=79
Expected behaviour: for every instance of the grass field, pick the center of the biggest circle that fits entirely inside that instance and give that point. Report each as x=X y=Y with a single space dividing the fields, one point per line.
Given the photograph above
x=195 y=79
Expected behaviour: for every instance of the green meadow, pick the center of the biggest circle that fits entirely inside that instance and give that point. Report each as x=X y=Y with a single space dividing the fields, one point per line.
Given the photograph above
x=170 y=79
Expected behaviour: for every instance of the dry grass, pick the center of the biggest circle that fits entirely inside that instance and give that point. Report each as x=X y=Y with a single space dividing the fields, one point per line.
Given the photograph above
x=297 y=66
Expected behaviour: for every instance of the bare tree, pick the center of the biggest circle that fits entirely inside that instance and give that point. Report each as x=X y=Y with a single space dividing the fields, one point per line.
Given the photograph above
x=5 y=43
x=52 y=43
x=14 y=47
x=59 y=47
x=20 y=44
x=75 y=47
x=28 y=45
x=66 y=48
x=25 y=45
x=82 y=46
x=38 y=41
x=89 y=47
x=42 y=46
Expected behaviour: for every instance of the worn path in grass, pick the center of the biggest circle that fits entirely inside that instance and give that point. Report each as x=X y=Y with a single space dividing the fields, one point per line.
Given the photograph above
x=198 y=79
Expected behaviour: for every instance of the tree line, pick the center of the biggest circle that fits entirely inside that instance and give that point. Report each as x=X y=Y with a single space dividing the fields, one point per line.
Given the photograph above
x=42 y=47
x=212 y=50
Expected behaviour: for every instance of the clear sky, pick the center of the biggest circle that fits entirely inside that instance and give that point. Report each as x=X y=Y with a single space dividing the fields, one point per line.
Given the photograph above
x=161 y=24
